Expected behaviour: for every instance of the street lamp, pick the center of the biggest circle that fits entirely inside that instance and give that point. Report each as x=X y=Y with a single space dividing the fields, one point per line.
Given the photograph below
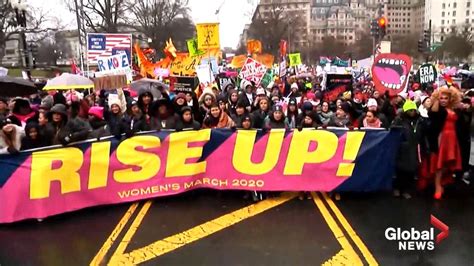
x=19 y=6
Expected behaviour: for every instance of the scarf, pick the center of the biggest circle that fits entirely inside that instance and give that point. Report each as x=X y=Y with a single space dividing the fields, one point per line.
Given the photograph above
x=375 y=124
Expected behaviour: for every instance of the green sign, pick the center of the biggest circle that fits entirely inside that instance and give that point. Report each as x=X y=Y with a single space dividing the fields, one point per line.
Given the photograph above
x=295 y=59
x=192 y=47
x=267 y=78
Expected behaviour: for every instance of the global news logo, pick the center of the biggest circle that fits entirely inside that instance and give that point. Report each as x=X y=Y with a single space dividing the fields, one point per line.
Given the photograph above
x=415 y=240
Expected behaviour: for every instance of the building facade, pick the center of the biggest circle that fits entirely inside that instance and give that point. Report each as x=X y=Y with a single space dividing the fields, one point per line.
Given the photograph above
x=449 y=15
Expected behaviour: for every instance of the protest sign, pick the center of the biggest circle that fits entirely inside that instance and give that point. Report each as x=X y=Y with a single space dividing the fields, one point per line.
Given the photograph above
x=267 y=78
x=426 y=74
x=114 y=65
x=223 y=82
x=295 y=59
x=108 y=44
x=335 y=85
x=253 y=71
x=282 y=71
x=193 y=48
x=184 y=65
x=213 y=63
x=183 y=84
x=49 y=181
x=207 y=36
x=204 y=74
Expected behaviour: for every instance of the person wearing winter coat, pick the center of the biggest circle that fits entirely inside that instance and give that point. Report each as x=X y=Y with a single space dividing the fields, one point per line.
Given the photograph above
x=11 y=136
x=248 y=95
x=115 y=119
x=222 y=102
x=135 y=122
x=45 y=128
x=145 y=100
x=325 y=114
x=4 y=112
x=308 y=121
x=179 y=102
x=21 y=112
x=276 y=118
x=216 y=118
x=372 y=106
x=163 y=116
x=33 y=138
x=99 y=126
x=292 y=113
x=186 y=121
x=259 y=115
x=341 y=118
x=407 y=162
x=206 y=100
x=233 y=99
x=240 y=111
x=193 y=102
x=57 y=120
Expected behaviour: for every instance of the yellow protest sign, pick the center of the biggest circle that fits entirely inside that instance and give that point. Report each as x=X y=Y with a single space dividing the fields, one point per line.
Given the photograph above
x=295 y=59
x=184 y=65
x=208 y=35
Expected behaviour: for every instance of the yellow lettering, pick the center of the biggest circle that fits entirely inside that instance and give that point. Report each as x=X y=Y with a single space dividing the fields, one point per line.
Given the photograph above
x=179 y=152
x=298 y=154
x=244 y=144
x=99 y=169
x=67 y=174
x=149 y=163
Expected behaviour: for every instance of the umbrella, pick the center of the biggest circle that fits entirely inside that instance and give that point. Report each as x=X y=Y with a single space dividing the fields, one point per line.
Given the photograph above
x=146 y=84
x=68 y=82
x=12 y=87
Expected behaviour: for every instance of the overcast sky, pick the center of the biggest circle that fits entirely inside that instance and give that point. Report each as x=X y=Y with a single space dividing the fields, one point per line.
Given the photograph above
x=233 y=15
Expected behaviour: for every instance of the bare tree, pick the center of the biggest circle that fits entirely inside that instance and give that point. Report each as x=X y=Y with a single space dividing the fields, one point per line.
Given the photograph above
x=101 y=15
x=275 y=25
x=35 y=26
x=162 y=19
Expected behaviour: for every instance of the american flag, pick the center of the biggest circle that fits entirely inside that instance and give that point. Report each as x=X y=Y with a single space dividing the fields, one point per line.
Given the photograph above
x=107 y=44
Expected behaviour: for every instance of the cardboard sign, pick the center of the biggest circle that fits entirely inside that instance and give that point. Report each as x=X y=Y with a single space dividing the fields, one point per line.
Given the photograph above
x=295 y=59
x=253 y=71
x=183 y=84
x=208 y=36
x=335 y=85
x=184 y=65
x=223 y=82
x=426 y=74
x=204 y=74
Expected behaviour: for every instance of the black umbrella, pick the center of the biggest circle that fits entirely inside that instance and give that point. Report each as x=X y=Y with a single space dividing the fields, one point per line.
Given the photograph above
x=12 y=87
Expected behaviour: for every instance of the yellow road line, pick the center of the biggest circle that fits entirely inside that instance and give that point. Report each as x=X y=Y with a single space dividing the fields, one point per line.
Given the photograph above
x=352 y=234
x=341 y=238
x=132 y=229
x=176 y=241
x=113 y=236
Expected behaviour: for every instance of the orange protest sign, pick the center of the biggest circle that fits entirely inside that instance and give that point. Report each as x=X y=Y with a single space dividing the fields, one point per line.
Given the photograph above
x=184 y=65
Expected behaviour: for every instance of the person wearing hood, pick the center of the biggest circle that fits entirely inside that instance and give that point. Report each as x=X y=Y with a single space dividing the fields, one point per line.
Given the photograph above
x=372 y=106
x=179 y=102
x=115 y=118
x=325 y=114
x=163 y=116
x=193 y=102
x=57 y=121
x=21 y=112
x=136 y=121
x=292 y=113
x=247 y=96
x=222 y=102
x=206 y=100
x=11 y=136
x=308 y=120
x=407 y=158
x=4 y=112
x=276 y=118
x=33 y=138
x=68 y=130
x=99 y=126
x=341 y=118
x=145 y=100
x=306 y=109
x=233 y=99
x=245 y=122
x=259 y=115
x=240 y=112
x=216 y=118
x=186 y=121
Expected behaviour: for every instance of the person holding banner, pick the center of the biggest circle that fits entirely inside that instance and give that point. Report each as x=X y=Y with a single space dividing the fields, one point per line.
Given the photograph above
x=292 y=113
x=136 y=121
x=232 y=101
x=216 y=118
x=186 y=121
x=259 y=115
x=446 y=153
x=163 y=116
x=276 y=118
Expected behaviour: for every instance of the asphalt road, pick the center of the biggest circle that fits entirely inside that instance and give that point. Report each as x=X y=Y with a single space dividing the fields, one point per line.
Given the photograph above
x=207 y=227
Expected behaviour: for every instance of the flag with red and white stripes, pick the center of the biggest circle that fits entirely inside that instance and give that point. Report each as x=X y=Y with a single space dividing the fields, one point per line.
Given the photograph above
x=107 y=44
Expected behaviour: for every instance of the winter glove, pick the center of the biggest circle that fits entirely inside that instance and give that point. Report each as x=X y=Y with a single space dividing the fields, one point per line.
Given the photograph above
x=66 y=140
x=12 y=150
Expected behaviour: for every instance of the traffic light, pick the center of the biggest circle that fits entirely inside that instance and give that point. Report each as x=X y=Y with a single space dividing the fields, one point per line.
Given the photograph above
x=374 y=28
x=427 y=37
x=421 y=46
x=382 y=25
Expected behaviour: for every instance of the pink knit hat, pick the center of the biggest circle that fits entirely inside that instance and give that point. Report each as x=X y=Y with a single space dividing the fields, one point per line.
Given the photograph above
x=97 y=112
